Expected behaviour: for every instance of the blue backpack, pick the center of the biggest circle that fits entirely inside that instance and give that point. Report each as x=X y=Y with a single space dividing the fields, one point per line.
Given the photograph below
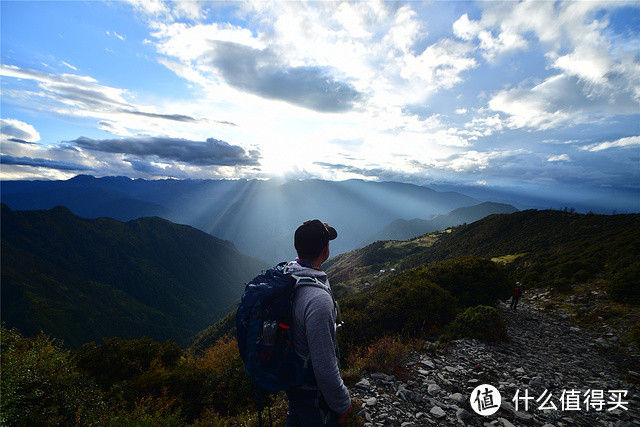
x=265 y=338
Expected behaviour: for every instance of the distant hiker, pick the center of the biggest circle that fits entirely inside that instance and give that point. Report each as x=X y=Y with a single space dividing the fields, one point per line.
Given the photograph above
x=515 y=297
x=324 y=400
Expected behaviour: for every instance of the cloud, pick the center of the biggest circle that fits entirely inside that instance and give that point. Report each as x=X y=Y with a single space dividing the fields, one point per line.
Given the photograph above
x=17 y=131
x=560 y=100
x=71 y=94
x=594 y=77
x=559 y=158
x=211 y=152
x=261 y=72
x=42 y=163
x=627 y=142
x=66 y=64
x=350 y=144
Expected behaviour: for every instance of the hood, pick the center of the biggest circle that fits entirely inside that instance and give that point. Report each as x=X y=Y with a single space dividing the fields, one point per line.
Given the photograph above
x=296 y=269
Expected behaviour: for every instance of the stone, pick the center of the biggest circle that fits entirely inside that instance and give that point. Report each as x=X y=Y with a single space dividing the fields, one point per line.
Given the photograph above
x=371 y=401
x=434 y=389
x=523 y=416
x=427 y=363
x=505 y=422
x=463 y=415
x=437 y=412
x=363 y=384
x=457 y=397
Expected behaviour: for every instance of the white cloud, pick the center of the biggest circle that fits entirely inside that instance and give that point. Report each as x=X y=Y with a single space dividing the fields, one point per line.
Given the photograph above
x=559 y=158
x=83 y=96
x=595 y=80
x=12 y=129
x=561 y=100
x=465 y=28
x=627 y=142
x=69 y=66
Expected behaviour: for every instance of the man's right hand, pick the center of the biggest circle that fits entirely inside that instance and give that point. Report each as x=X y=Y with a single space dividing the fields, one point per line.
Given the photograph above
x=342 y=419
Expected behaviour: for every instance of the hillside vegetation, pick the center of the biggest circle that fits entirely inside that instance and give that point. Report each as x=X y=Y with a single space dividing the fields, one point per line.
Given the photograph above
x=82 y=280
x=445 y=285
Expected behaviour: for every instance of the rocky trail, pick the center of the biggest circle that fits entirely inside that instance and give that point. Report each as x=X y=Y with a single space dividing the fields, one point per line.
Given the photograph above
x=583 y=376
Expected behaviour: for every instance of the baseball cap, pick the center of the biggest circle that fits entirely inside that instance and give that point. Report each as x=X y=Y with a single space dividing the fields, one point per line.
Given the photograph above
x=313 y=233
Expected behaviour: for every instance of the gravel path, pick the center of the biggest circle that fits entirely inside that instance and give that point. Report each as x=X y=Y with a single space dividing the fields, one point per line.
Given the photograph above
x=544 y=353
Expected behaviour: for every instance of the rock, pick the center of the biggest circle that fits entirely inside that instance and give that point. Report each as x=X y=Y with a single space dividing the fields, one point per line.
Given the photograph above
x=363 y=384
x=458 y=398
x=371 y=401
x=462 y=415
x=378 y=376
x=434 y=389
x=523 y=416
x=505 y=422
x=427 y=363
x=437 y=412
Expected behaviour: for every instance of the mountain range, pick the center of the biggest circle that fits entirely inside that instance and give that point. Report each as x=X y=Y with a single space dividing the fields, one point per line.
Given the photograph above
x=85 y=279
x=259 y=217
x=403 y=230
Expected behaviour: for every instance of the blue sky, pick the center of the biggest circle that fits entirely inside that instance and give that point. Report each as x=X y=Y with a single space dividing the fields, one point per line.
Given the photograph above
x=542 y=95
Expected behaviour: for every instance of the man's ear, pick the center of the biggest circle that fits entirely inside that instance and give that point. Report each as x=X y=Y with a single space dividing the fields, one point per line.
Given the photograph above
x=325 y=251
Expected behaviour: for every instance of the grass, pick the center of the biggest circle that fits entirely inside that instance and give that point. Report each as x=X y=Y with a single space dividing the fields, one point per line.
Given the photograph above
x=506 y=259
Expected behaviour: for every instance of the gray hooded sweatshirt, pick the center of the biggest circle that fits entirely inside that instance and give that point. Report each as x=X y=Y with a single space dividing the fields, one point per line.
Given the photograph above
x=314 y=335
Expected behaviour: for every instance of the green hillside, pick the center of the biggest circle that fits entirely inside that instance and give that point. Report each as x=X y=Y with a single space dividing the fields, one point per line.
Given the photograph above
x=545 y=248
x=81 y=280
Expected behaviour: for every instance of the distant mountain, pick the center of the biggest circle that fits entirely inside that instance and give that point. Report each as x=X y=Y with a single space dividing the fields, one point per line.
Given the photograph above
x=259 y=217
x=85 y=279
x=585 y=245
x=403 y=230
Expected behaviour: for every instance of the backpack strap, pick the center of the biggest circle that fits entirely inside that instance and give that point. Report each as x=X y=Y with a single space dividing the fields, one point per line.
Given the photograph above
x=314 y=281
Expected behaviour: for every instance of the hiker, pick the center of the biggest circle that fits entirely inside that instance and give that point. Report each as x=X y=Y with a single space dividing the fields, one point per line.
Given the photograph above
x=515 y=297
x=323 y=400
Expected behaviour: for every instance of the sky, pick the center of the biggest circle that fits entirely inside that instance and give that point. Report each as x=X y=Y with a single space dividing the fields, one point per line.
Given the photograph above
x=539 y=95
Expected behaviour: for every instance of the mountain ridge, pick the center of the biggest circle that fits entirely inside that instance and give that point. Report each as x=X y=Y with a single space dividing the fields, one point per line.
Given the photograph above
x=401 y=229
x=85 y=279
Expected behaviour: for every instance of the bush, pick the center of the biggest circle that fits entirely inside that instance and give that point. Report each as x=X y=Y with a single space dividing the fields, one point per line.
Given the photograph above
x=387 y=355
x=481 y=322
x=117 y=359
x=148 y=412
x=41 y=385
x=215 y=380
x=472 y=280
x=624 y=286
x=408 y=305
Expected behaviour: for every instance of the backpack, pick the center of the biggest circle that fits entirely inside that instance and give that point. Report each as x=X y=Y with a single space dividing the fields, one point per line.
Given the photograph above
x=265 y=338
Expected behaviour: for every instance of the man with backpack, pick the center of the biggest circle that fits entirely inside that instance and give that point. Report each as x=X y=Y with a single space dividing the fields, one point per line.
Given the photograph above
x=323 y=399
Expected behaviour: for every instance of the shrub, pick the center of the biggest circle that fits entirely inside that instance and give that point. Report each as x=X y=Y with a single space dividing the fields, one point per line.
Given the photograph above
x=408 y=305
x=147 y=412
x=117 y=360
x=625 y=285
x=387 y=355
x=214 y=380
x=472 y=280
x=41 y=385
x=481 y=322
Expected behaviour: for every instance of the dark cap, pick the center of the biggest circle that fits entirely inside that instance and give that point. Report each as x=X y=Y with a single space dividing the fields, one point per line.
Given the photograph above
x=313 y=234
